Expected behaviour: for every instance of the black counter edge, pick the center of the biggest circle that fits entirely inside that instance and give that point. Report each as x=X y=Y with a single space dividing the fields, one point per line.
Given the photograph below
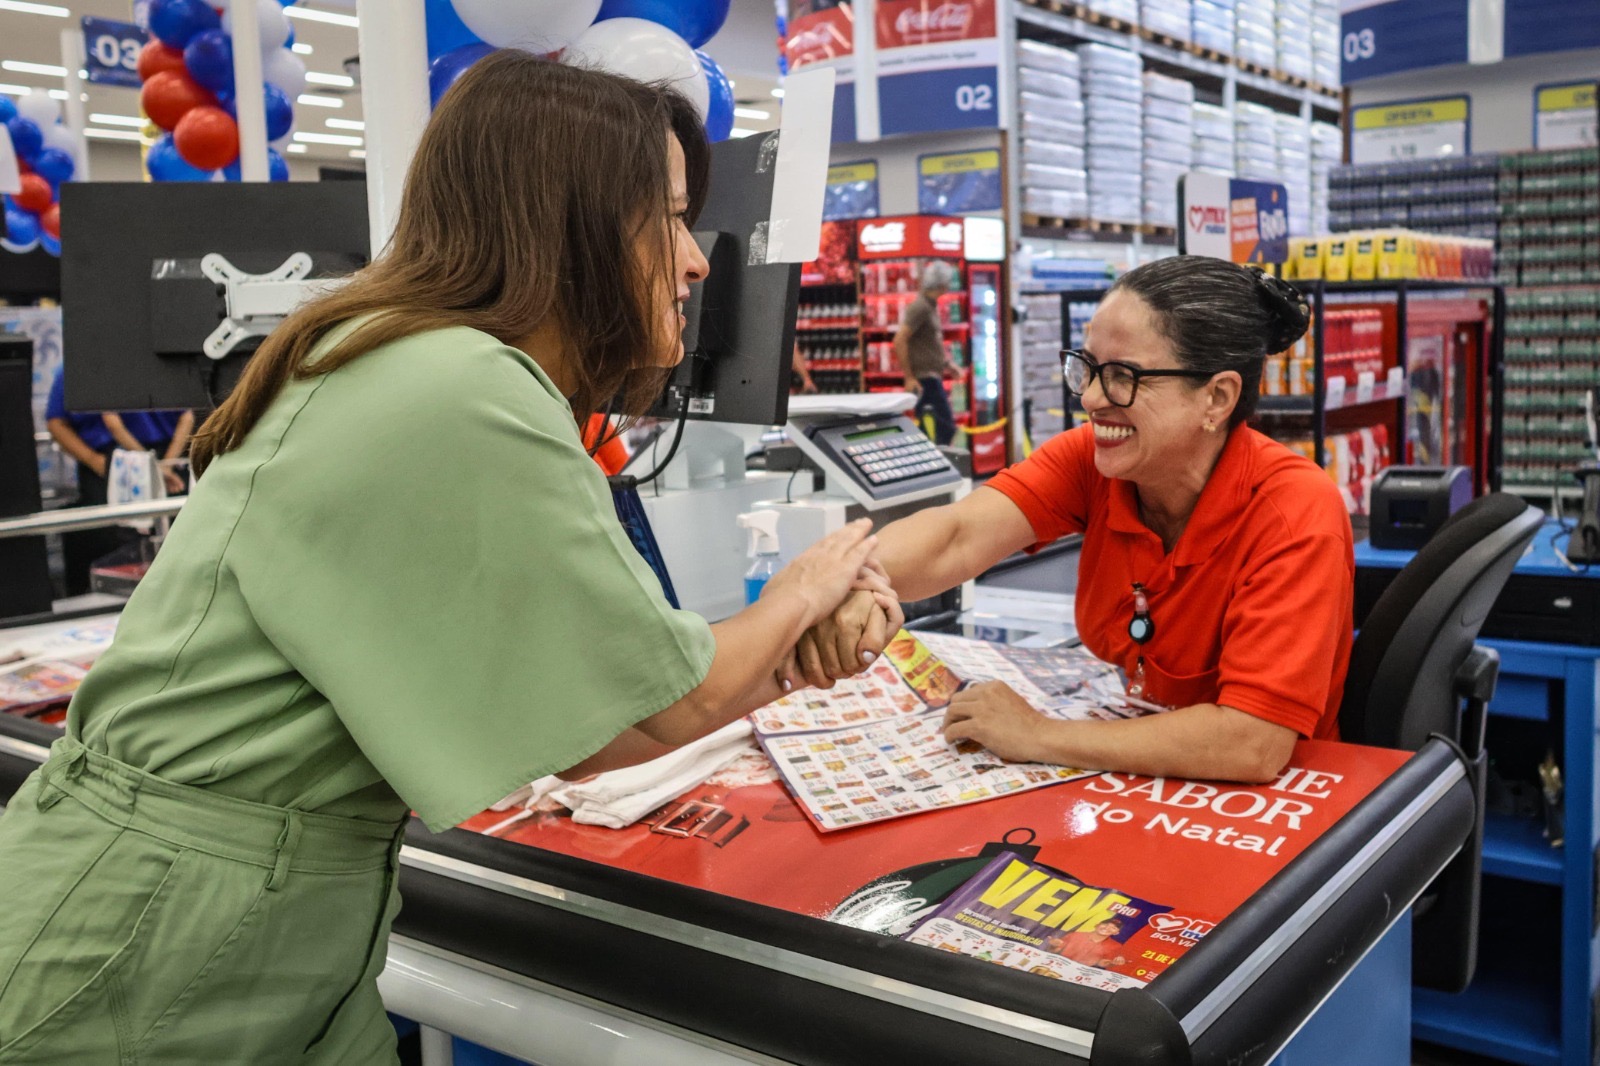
x=791 y=1018
x=1318 y=959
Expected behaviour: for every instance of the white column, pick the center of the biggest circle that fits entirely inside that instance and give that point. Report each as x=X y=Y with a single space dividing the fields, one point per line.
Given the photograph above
x=249 y=94
x=394 y=100
x=868 y=120
x=73 y=58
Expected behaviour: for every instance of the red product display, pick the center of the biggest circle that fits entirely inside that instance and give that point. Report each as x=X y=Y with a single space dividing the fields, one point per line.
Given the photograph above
x=1352 y=344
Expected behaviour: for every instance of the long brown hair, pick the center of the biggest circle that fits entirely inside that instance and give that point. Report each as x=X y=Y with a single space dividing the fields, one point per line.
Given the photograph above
x=528 y=199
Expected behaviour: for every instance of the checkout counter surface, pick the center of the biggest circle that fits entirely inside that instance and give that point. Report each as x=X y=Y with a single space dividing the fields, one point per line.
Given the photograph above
x=710 y=920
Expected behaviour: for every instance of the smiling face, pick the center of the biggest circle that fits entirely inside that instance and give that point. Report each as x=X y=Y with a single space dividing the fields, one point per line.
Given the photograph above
x=1162 y=434
x=688 y=264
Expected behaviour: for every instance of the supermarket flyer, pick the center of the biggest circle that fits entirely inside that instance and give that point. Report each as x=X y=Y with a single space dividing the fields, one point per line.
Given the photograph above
x=854 y=776
x=873 y=748
x=1029 y=916
x=40 y=684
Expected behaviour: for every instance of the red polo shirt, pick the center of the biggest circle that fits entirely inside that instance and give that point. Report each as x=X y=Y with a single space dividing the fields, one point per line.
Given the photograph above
x=1253 y=607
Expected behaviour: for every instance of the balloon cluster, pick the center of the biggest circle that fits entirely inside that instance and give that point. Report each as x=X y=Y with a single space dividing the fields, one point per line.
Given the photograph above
x=651 y=40
x=47 y=154
x=188 y=91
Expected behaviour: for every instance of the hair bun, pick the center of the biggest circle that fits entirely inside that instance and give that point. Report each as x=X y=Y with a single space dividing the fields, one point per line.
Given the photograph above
x=1288 y=313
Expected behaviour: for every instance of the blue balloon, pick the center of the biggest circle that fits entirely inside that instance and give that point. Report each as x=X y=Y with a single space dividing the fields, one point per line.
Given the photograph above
x=176 y=22
x=277 y=168
x=54 y=165
x=719 y=116
x=443 y=71
x=280 y=112
x=288 y=42
x=8 y=109
x=165 y=164
x=26 y=138
x=22 y=227
x=209 y=57
x=50 y=244
x=696 y=21
x=446 y=31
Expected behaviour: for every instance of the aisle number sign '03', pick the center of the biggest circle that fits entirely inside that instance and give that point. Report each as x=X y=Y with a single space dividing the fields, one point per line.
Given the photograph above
x=1227 y=218
x=938 y=64
x=1411 y=129
x=111 y=52
x=1564 y=115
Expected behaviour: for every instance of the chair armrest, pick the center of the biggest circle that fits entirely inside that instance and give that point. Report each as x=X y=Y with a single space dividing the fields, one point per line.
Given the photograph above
x=1474 y=684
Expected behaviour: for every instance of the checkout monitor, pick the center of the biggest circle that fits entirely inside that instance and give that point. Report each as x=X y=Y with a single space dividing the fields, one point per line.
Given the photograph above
x=740 y=336
x=135 y=307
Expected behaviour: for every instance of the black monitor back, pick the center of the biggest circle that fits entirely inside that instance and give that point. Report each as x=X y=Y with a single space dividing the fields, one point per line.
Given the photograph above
x=745 y=332
x=109 y=298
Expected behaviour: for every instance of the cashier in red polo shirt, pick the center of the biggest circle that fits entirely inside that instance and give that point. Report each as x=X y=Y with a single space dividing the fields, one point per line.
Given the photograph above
x=1217 y=567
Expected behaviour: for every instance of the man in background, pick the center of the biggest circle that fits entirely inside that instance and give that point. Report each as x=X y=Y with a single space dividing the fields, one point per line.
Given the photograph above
x=919 y=347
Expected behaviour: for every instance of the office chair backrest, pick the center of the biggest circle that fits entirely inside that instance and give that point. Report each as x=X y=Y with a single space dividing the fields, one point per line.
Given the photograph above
x=1400 y=687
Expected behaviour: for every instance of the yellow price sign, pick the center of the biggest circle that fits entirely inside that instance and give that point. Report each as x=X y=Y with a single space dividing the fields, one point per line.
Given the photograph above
x=960 y=162
x=849 y=173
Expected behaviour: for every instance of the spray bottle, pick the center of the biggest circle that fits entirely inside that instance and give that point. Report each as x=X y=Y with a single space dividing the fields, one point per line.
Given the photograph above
x=763 y=527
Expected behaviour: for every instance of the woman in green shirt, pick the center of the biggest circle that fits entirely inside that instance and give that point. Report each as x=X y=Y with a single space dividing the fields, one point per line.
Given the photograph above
x=399 y=585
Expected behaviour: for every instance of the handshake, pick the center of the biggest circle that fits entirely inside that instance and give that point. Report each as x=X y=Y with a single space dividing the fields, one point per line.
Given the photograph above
x=851 y=610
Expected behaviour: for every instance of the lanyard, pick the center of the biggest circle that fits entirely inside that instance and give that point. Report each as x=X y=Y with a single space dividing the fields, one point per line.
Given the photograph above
x=1140 y=630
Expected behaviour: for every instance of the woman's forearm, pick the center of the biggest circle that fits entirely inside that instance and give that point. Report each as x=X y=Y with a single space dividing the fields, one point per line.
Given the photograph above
x=751 y=646
x=940 y=547
x=1205 y=741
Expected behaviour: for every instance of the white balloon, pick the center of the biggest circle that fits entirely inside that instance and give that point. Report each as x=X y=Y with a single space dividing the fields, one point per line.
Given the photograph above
x=646 y=51
x=285 y=70
x=533 y=25
x=19 y=249
x=62 y=137
x=38 y=107
x=274 y=24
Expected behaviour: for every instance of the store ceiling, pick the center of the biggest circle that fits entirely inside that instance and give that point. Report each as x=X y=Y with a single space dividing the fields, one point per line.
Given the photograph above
x=745 y=49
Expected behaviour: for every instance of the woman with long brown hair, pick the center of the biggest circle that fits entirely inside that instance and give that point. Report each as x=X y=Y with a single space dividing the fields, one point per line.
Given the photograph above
x=399 y=585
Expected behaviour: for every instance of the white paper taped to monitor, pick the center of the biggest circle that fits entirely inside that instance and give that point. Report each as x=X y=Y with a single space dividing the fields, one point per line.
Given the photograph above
x=794 y=229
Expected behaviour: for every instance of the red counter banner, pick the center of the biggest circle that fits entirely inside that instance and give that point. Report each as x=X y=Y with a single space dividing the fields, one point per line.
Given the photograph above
x=1183 y=854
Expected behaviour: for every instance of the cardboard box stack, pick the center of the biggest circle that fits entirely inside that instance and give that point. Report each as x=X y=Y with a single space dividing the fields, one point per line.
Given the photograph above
x=1051 y=116
x=1113 y=98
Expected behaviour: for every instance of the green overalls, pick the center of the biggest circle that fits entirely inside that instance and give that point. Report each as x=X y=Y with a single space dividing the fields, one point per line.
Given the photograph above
x=407 y=590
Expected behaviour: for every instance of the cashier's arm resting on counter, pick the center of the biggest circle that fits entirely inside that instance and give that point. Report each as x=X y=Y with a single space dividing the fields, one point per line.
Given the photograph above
x=1217 y=567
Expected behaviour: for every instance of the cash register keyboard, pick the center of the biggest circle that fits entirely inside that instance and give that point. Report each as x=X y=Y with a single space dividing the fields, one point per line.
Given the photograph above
x=900 y=458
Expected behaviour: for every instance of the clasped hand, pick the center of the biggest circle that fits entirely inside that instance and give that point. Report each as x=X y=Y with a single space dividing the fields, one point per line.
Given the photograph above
x=850 y=640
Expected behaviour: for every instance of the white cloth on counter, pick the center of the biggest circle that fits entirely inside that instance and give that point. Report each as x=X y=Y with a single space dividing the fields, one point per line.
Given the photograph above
x=618 y=798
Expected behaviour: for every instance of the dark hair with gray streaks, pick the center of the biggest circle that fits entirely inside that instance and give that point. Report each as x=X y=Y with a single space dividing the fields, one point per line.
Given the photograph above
x=1220 y=316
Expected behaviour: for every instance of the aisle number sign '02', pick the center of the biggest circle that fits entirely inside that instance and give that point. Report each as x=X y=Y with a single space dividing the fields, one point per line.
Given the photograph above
x=937 y=65
x=1411 y=129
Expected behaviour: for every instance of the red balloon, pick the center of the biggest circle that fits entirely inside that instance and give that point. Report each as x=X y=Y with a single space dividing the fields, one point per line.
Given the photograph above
x=50 y=220
x=156 y=57
x=35 y=195
x=170 y=95
x=207 y=137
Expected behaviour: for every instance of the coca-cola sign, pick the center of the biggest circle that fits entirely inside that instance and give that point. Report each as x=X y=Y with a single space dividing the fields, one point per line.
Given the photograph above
x=820 y=35
x=883 y=237
x=905 y=23
x=947 y=236
x=946 y=22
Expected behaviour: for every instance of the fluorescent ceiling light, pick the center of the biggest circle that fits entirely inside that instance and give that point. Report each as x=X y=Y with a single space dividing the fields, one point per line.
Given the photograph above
x=34 y=68
x=61 y=94
x=331 y=79
x=346 y=124
x=737 y=132
x=312 y=15
x=778 y=93
x=751 y=112
x=298 y=148
x=14 y=90
x=320 y=101
x=113 y=135
x=358 y=153
x=328 y=138
x=301 y=48
x=34 y=9
x=117 y=120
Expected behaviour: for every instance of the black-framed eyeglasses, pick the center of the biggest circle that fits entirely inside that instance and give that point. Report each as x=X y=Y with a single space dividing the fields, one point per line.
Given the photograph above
x=1119 y=381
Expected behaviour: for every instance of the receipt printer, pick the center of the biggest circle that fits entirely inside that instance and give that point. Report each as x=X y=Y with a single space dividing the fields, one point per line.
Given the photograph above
x=1410 y=503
